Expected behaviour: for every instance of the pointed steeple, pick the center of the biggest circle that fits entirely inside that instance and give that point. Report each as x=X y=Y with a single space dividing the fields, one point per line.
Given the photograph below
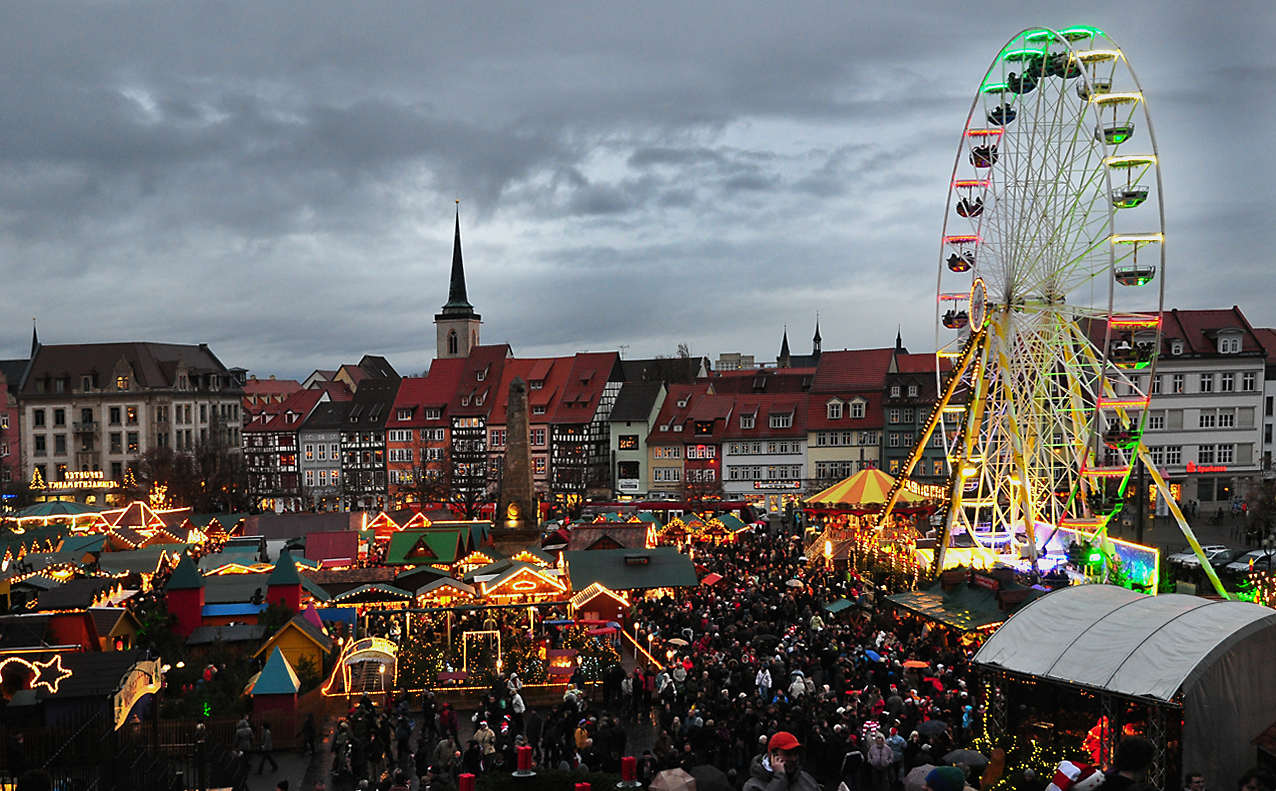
x=785 y=356
x=457 y=301
x=815 y=342
x=35 y=339
x=899 y=341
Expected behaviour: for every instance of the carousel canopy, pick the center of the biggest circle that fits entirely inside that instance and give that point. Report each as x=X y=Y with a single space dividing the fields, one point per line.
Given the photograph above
x=866 y=487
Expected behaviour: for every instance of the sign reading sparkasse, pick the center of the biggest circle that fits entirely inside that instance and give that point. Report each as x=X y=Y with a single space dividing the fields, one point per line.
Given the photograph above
x=1194 y=467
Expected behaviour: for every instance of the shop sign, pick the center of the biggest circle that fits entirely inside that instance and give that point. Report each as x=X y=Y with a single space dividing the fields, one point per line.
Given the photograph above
x=777 y=484
x=82 y=480
x=629 y=484
x=932 y=491
x=1194 y=467
x=142 y=679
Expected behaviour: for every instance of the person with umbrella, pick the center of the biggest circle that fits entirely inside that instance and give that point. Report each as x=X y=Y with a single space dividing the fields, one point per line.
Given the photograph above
x=780 y=769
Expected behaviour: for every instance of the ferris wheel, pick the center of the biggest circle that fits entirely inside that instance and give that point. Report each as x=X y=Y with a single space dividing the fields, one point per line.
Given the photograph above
x=1050 y=291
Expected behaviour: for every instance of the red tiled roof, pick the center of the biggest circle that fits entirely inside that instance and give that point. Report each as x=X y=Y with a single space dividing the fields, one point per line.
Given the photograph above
x=712 y=407
x=1267 y=337
x=856 y=370
x=583 y=388
x=1198 y=329
x=671 y=413
x=434 y=390
x=300 y=403
x=271 y=386
x=817 y=418
x=763 y=406
x=490 y=361
x=764 y=380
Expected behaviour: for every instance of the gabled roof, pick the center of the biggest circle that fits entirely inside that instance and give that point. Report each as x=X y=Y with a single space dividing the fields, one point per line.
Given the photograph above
x=446 y=582
x=291 y=415
x=300 y=624
x=764 y=380
x=76 y=594
x=520 y=569
x=1198 y=329
x=762 y=407
x=583 y=389
x=857 y=370
x=371 y=593
x=277 y=677
x=424 y=547
x=434 y=390
x=625 y=535
x=630 y=569
x=636 y=401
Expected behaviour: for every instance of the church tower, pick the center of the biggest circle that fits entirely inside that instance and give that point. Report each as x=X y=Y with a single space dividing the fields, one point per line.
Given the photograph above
x=457 y=327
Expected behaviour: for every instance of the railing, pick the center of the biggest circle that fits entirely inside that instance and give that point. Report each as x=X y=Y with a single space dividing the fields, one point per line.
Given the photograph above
x=88 y=425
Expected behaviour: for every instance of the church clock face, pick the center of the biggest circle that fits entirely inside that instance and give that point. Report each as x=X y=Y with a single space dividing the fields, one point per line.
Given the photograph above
x=978 y=305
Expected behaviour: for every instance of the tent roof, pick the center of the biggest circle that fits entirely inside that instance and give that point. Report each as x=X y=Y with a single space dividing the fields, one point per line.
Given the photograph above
x=863 y=488
x=277 y=677
x=964 y=606
x=1109 y=638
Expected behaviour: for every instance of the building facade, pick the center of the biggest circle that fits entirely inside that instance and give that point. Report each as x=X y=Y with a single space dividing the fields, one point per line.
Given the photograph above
x=631 y=420
x=94 y=409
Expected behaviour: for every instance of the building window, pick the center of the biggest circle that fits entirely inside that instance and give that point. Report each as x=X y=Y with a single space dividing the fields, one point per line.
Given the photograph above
x=1227 y=383
x=937 y=468
x=132 y=442
x=59 y=444
x=1227 y=418
x=747 y=421
x=310 y=452
x=203 y=413
x=894 y=440
x=627 y=442
x=1205 y=454
x=1207 y=383
x=782 y=421
x=4 y=420
x=912 y=391
x=1248 y=380
x=40 y=448
x=37 y=416
x=538 y=465
x=1177 y=383
x=452 y=344
x=1229 y=345
x=857 y=410
x=121 y=383
x=666 y=474
x=433 y=414
x=404 y=414
x=910 y=415
x=130 y=415
x=334 y=477
x=1156 y=385
x=894 y=466
x=1206 y=420
x=59 y=417
x=893 y=415
x=310 y=477
x=117 y=442
x=1226 y=454
x=1156 y=422
x=323 y=477
x=538 y=410
x=835 y=410
x=538 y=437
x=894 y=391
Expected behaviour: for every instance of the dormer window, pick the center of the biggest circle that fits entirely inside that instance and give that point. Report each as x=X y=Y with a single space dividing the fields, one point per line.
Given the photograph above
x=1176 y=347
x=1229 y=344
x=479 y=399
x=682 y=404
x=912 y=391
x=857 y=410
x=677 y=428
x=465 y=400
x=747 y=421
x=536 y=384
x=121 y=383
x=538 y=410
x=433 y=414
x=894 y=391
x=834 y=410
x=481 y=375
x=782 y=421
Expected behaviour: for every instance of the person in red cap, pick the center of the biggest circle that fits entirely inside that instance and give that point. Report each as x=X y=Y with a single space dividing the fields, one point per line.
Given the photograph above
x=779 y=768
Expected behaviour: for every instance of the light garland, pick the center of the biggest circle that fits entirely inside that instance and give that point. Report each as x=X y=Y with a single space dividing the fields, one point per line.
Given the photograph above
x=48 y=674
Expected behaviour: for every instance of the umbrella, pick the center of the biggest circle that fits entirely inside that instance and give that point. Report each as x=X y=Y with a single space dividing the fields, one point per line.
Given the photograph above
x=873 y=655
x=968 y=758
x=673 y=780
x=676 y=641
x=915 y=663
x=932 y=727
x=710 y=778
x=766 y=638
x=794 y=583
x=916 y=779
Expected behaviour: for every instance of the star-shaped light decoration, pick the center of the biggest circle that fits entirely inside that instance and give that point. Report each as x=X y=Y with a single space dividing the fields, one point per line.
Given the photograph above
x=50 y=674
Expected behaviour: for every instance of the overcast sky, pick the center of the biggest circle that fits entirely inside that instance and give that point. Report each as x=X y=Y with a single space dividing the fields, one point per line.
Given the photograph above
x=278 y=179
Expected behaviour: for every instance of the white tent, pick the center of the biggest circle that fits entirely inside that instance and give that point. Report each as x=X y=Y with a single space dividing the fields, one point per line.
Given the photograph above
x=1210 y=657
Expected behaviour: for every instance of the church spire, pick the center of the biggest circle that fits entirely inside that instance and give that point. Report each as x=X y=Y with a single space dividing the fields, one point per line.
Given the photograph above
x=35 y=339
x=457 y=301
x=899 y=341
x=783 y=361
x=815 y=342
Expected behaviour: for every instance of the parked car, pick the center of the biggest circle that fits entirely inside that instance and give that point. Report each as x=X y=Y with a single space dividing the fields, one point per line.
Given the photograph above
x=1220 y=561
x=1258 y=560
x=1188 y=558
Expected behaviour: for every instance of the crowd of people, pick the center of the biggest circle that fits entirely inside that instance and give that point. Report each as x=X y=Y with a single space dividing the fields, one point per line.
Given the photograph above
x=753 y=676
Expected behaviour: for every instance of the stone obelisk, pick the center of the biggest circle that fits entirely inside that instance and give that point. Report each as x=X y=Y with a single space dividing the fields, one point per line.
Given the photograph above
x=516 y=523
